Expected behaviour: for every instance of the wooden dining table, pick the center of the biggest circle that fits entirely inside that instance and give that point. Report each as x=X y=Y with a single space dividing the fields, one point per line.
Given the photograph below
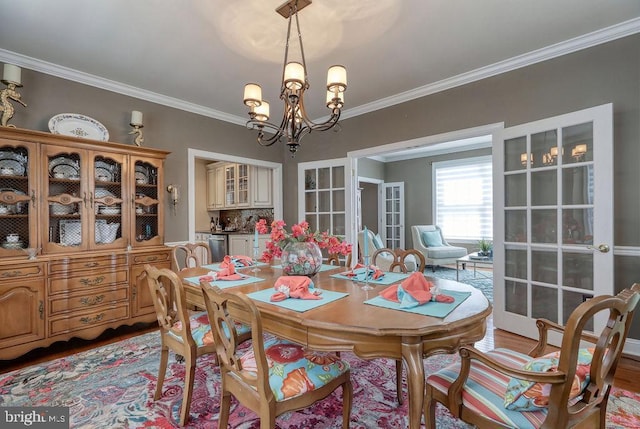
x=348 y=324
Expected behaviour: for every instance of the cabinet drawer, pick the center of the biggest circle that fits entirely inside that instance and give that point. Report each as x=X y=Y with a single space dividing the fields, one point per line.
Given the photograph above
x=75 y=264
x=88 y=300
x=77 y=322
x=152 y=258
x=21 y=271
x=86 y=281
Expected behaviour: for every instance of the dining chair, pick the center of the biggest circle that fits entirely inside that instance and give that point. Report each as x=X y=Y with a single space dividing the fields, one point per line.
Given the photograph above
x=334 y=259
x=564 y=389
x=190 y=255
x=274 y=375
x=187 y=336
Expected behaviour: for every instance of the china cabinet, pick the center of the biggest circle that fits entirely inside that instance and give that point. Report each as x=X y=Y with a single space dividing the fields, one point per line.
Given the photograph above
x=92 y=213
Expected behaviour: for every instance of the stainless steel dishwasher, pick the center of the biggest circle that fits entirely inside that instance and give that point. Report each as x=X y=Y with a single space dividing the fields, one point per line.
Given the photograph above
x=219 y=245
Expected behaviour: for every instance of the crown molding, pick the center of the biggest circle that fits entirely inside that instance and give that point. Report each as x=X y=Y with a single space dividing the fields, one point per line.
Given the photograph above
x=585 y=41
x=588 y=40
x=113 y=86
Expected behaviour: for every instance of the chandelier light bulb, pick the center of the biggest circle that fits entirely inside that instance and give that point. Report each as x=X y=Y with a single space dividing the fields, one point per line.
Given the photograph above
x=262 y=111
x=337 y=78
x=252 y=95
x=294 y=76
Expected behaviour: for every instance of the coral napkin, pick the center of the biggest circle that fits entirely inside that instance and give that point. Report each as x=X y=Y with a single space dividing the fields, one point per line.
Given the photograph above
x=359 y=272
x=294 y=287
x=227 y=271
x=414 y=291
x=241 y=261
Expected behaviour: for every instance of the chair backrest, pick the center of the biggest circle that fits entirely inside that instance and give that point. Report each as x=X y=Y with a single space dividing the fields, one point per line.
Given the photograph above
x=387 y=260
x=170 y=303
x=190 y=255
x=402 y=256
x=608 y=350
x=416 y=235
x=334 y=259
x=256 y=380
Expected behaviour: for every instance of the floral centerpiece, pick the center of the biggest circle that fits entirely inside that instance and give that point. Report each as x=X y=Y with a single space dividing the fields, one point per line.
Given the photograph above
x=300 y=249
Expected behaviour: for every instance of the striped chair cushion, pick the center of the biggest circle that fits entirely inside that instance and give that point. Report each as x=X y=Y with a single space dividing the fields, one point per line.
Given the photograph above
x=293 y=370
x=485 y=390
x=201 y=330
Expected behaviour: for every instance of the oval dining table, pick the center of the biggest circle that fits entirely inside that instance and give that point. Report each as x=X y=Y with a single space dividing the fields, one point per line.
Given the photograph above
x=348 y=324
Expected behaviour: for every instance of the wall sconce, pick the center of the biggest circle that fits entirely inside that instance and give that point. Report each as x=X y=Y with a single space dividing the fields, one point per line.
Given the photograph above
x=175 y=196
x=579 y=151
x=12 y=78
x=136 y=123
x=524 y=158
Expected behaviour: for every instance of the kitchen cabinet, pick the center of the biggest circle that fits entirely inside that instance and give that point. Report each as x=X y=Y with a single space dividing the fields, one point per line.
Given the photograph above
x=242 y=244
x=231 y=186
x=215 y=186
x=93 y=212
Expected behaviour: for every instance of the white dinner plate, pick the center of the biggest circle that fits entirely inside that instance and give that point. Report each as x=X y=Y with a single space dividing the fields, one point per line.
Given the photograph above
x=74 y=124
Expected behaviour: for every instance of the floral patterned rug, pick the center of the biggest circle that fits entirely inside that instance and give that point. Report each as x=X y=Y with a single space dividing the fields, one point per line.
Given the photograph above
x=112 y=387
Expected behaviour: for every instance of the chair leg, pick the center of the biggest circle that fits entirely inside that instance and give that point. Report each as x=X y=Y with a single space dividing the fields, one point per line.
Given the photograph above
x=399 y=381
x=164 y=360
x=189 y=374
x=429 y=411
x=347 y=397
x=225 y=404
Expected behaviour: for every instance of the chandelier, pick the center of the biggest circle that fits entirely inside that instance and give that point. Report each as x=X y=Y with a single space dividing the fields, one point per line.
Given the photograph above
x=295 y=122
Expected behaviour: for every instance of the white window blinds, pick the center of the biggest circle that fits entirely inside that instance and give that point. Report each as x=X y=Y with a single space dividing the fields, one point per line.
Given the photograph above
x=463 y=198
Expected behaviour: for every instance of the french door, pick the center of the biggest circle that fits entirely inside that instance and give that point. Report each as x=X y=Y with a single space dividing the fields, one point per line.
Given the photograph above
x=392 y=210
x=553 y=220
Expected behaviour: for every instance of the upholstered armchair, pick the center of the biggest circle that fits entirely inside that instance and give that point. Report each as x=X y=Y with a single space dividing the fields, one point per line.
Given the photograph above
x=429 y=240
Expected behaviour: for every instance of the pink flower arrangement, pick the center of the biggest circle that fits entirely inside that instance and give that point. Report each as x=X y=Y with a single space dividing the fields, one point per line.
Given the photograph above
x=299 y=232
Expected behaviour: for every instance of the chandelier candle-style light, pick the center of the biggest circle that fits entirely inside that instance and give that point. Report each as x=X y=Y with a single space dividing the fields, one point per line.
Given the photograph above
x=295 y=123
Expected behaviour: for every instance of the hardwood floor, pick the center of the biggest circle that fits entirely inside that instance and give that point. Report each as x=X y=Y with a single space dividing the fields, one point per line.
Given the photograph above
x=627 y=374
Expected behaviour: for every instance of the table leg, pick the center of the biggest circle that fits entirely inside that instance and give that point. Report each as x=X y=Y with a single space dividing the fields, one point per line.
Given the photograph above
x=457 y=271
x=412 y=355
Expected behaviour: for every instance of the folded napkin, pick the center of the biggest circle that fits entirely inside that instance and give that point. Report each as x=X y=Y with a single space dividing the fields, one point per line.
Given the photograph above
x=241 y=261
x=294 y=287
x=414 y=291
x=360 y=273
x=227 y=271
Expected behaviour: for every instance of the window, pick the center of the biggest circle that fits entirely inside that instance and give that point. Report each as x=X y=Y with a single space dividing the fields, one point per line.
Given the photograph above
x=463 y=198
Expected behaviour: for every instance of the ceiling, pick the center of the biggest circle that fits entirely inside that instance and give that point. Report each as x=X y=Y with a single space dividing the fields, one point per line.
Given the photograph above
x=197 y=55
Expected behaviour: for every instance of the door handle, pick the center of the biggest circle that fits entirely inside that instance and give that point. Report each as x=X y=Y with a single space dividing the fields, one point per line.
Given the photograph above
x=603 y=248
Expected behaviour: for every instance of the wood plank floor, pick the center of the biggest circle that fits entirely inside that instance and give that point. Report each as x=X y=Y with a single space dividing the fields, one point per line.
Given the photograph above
x=626 y=376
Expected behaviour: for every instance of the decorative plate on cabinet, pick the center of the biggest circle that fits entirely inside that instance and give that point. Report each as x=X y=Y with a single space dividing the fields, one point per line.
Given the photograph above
x=74 y=124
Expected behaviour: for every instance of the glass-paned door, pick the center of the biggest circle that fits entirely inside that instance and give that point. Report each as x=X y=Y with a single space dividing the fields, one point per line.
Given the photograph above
x=393 y=215
x=554 y=228
x=322 y=195
x=17 y=198
x=66 y=198
x=148 y=226
x=111 y=211
x=242 y=194
x=230 y=185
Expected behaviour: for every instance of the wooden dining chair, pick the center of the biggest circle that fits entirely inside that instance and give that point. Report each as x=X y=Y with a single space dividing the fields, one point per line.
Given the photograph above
x=190 y=255
x=334 y=259
x=410 y=260
x=564 y=389
x=187 y=336
x=273 y=376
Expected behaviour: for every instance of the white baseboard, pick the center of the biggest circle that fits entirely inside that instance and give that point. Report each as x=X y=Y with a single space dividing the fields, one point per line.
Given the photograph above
x=632 y=347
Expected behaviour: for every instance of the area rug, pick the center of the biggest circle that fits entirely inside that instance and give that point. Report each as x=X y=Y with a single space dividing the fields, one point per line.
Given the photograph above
x=112 y=387
x=483 y=280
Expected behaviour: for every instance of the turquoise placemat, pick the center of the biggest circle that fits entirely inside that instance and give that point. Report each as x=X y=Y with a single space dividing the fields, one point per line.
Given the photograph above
x=435 y=309
x=388 y=279
x=226 y=283
x=216 y=266
x=299 y=305
x=324 y=267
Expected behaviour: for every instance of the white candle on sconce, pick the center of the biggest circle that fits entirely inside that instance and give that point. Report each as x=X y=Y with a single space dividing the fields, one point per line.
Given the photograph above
x=136 y=118
x=12 y=74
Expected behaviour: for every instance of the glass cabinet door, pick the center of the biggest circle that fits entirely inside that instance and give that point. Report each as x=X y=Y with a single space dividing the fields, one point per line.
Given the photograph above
x=242 y=194
x=65 y=198
x=107 y=200
x=17 y=198
x=230 y=185
x=147 y=229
